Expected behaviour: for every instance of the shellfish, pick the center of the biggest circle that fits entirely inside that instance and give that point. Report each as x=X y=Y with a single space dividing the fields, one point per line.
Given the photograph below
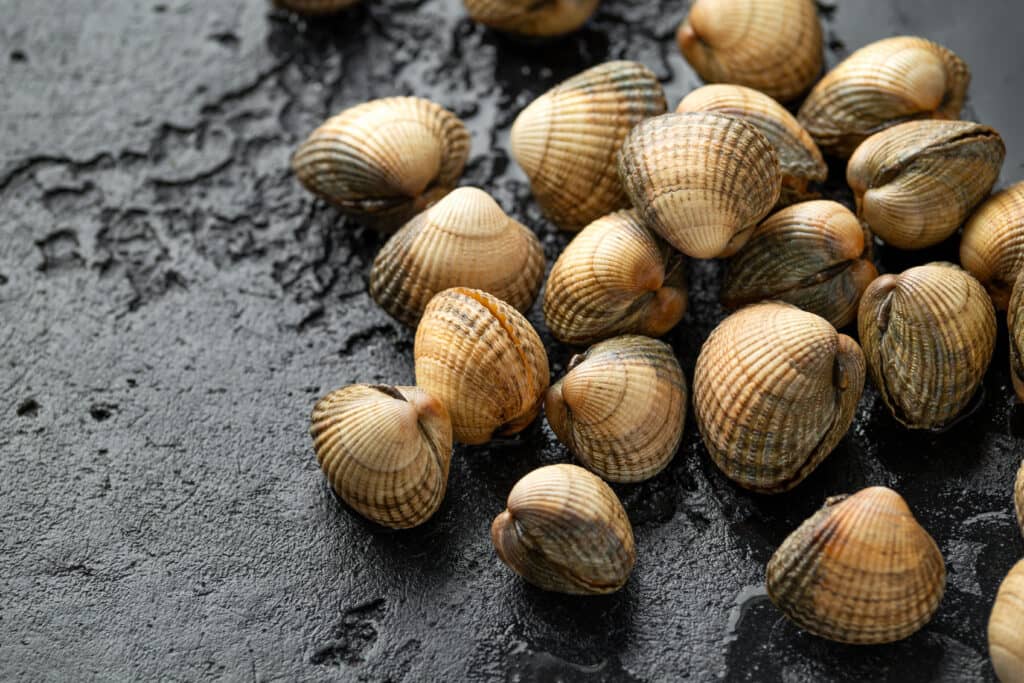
x=992 y=246
x=1015 y=324
x=1018 y=496
x=1006 y=628
x=531 y=18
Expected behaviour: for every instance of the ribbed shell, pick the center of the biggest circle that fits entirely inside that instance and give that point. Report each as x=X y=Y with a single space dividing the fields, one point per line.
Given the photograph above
x=814 y=255
x=701 y=180
x=315 y=6
x=774 y=46
x=386 y=160
x=992 y=247
x=567 y=139
x=882 y=84
x=532 y=18
x=774 y=391
x=799 y=158
x=1006 y=628
x=463 y=240
x=385 y=450
x=860 y=571
x=928 y=335
x=565 y=530
x=1018 y=496
x=1015 y=324
x=483 y=360
x=621 y=407
x=615 y=277
x=917 y=182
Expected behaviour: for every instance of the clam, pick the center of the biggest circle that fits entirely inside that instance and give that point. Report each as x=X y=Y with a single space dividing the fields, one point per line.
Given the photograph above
x=531 y=18
x=928 y=334
x=463 y=240
x=774 y=46
x=915 y=183
x=565 y=530
x=567 y=139
x=385 y=451
x=861 y=570
x=386 y=160
x=799 y=158
x=814 y=255
x=620 y=408
x=700 y=180
x=315 y=6
x=884 y=83
x=1015 y=324
x=992 y=247
x=1018 y=496
x=1006 y=628
x=481 y=358
x=615 y=277
x=774 y=391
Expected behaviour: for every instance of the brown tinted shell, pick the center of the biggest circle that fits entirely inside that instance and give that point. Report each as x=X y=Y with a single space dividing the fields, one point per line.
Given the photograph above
x=992 y=247
x=1015 y=324
x=1006 y=628
x=860 y=571
x=315 y=6
x=1018 y=496
x=532 y=18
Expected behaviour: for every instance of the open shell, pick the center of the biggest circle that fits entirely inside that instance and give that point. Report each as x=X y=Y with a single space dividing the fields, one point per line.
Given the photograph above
x=567 y=139
x=1006 y=628
x=532 y=18
x=992 y=246
x=463 y=240
x=860 y=571
x=315 y=6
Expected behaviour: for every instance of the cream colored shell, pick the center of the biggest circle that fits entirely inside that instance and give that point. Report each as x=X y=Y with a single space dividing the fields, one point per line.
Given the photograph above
x=992 y=246
x=532 y=18
x=1006 y=628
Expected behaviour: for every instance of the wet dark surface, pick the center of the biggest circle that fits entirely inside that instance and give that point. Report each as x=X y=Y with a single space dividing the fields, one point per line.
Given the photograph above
x=172 y=304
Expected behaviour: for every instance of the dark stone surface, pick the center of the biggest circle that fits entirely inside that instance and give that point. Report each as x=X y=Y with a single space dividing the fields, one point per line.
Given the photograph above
x=172 y=304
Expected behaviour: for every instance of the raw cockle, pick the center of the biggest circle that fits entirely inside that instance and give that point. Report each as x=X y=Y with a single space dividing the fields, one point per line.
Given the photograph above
x=532 y=18
x=884 y=83
x=615 y=277
x=315 y=6
x=861 y=570
x=621 y=408
x=385 y=450
x=774 y=391
x=928 y=335
x=774 y=46
x=565 y=530
x=463 y=240
x=1015 y=323
x=799 y=158
x=700 y=180
x=814 y=255
x=992 y=246
x=917 y=182
x=567 y=139
x=482 y=359
x=386 y=160
x=1006 y=628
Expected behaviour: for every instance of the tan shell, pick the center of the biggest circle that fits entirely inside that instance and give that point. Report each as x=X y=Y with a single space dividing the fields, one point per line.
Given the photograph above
x=386 y=160
x=917 y=182
x=1006 y=628
x=565 y=530
x=992 y=246
x=463 y=240
x=814 y=255
x=799 y=158
x=615 y=277
x=1015 y=324
x=1018 y=496
x=700 y=180
x=774 y=391
x=531 y=18
x=620 y=408
x=315 y=6
x=928 y=334
x=861 y=570
x=567 y=139
x=483 y=360
x=881 y=84
x=774 y=46
x=385 y=450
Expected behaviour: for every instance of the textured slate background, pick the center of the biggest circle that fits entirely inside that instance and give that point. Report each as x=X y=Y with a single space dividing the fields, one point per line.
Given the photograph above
x=172 y=304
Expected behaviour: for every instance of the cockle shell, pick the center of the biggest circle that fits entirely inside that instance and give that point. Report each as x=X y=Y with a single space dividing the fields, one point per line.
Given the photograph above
x=992 y=246
x=884 y=83
x=1015 y=324
x=615 y=277
x=928 y=334
x=915 y=183
x=1006 y=628
x=799 y=158
x=567 y=139
x=861 y=570
x=774 y=46
x=814 y=255
x=315 y=6
x=774 y=391
x=621 y=407
x=482 y=359
x=700 y=180
x=385 y=451
x=386 y=160
x=463 y=240
x=532 y=18
x=565 y=530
